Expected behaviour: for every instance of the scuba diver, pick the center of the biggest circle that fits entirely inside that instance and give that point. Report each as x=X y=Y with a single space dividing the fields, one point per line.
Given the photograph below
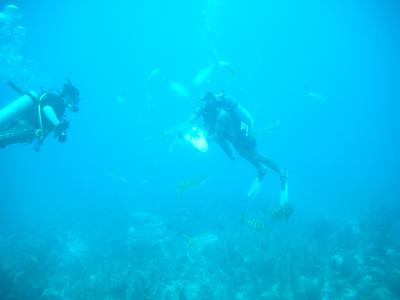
x=227 y=122
x=33 y=116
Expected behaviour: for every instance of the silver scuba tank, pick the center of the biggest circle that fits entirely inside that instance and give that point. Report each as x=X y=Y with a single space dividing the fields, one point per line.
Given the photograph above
x=16 y=109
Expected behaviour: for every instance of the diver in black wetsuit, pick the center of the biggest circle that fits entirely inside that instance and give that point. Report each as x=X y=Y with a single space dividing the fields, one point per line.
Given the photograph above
x=228 y=122
x=33 y=116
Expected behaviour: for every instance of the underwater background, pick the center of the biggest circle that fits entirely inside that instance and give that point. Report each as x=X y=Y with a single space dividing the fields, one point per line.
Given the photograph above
x=118 y=212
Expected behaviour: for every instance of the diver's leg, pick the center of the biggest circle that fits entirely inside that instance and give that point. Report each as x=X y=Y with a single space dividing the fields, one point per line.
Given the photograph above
x=270 y=163
x=247 y=149
x=246 y=146
x=252 y=159
x=222 y=128
x=20 y=132
x=225 y=147
x=222 y=143
x=223 y=123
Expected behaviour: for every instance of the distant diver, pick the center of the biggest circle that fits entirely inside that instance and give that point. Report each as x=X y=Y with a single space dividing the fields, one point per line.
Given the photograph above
x=34 y=115
x=227 y=122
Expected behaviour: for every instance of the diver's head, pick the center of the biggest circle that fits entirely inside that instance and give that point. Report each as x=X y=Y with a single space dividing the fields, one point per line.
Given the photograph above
x=208 y=97
x=70 y=95
x=221 y=95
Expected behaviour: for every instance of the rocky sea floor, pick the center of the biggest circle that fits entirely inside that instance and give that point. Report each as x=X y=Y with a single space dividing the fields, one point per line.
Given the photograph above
x=147 y=256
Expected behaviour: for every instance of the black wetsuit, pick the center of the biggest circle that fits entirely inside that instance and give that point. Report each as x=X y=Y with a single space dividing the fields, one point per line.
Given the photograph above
x=243 y=141
x=210 y=110
x=56 y=102
x=24 y=130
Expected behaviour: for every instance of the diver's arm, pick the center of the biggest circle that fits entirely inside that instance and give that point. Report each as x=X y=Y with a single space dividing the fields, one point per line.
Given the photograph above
x=197 y=112
x=51 y=115
x=193 y=118
x=60 y=127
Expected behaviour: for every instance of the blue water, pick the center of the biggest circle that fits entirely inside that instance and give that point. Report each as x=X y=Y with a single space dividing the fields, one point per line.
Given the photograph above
x=99 y=217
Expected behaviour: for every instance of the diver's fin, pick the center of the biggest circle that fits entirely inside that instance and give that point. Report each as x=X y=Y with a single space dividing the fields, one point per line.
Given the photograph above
x=254 y=189
x=284 y=194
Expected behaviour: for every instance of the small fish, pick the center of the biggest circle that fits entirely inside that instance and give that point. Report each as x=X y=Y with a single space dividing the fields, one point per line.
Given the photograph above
x=228 y=66
x=202 y=240
x=179 y=89
x=121 y=100
x=188 y=184
x=203 y=75
x=116 y=175
x=318 y=97
x=223 y=64
x=149 y=100
x=281 y=212
x=254 y=223
x=174 y=136
x=142 y=122
x=217 y=3
x=271 y=127
x=153 y=74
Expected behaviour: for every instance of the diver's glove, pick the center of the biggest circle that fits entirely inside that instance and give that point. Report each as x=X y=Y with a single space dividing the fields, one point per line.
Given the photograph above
x=60 y=131
x=62 y=137
x=64 y=125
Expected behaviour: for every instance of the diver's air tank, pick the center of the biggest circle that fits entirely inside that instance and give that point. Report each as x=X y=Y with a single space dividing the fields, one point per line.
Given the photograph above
x=16 y=109
x=245 y=116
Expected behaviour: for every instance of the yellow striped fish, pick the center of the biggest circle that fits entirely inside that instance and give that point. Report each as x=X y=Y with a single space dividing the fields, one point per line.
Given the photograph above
x=254 y=223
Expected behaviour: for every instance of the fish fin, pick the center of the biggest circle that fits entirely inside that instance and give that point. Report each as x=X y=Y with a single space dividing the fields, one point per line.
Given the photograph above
x=243 y=218
x=254 y=189
x=188 y=239
x=180 y=192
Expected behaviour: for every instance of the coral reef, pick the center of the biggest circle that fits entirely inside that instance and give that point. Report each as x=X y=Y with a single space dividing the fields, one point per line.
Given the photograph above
x=148 y=256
